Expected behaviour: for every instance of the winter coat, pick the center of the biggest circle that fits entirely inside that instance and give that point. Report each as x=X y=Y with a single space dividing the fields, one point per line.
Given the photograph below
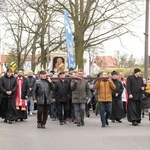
x=8 y=84
x=62 y=90
x=80 y=91
x=31 y=81
x=104 y=88
x=119 y=89
x=42 y=91
x=134 y=85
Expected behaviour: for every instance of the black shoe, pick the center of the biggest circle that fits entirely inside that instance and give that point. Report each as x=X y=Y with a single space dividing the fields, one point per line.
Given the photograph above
x=107 y=123
x=142 y=114
x=21 y=119
x=113 y=121
x=82 y=122
x=61 y=123
x=10 y=122
x=5 y=120
x=103 y=125
x=39 y=125
x=134 y=123
x=43 y=126
x=78 y=124
x=118 y=120
x=88 y=115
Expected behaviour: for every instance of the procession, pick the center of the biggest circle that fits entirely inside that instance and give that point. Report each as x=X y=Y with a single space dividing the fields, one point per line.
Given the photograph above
x=70 y=96
x=74 y=75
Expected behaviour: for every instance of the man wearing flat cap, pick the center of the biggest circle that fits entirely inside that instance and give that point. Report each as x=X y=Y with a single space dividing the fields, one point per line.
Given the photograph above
x=42 y=95
x=135 y=86
x=62 y=90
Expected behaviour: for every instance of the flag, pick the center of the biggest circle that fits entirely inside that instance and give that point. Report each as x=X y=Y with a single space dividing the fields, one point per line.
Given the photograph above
x=69 y=41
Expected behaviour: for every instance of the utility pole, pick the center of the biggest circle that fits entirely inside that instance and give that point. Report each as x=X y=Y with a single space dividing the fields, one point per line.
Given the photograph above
x=146 y=64
x=48 y=47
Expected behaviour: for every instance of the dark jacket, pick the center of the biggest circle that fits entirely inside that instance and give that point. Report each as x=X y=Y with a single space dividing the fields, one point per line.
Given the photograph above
x=8 y=84
x=31 y=81
x=80 y=91
x=119 y=90
x=134 y=85
x=62 y=90
x=42 y=91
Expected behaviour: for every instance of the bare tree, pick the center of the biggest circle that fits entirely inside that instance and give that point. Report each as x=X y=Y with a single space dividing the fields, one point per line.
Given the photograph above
x=27 y=23
x=97 y=21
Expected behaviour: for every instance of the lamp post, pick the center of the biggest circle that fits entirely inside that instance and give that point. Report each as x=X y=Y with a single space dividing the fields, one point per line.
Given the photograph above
x=48 y=47
x=146 y=40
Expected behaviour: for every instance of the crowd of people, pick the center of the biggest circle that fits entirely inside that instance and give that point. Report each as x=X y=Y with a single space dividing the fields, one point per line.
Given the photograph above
x=67 y=96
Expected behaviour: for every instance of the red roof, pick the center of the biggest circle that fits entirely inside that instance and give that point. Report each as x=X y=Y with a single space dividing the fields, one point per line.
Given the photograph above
x=105 y=61
x=29 y=57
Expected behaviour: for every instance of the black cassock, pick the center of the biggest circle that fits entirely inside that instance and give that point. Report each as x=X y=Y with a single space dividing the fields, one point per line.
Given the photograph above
x=8 y=109
x=117 y=104
x=134 y=85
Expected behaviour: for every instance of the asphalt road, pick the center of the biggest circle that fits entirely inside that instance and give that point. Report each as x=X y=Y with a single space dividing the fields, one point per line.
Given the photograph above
x=116 y=136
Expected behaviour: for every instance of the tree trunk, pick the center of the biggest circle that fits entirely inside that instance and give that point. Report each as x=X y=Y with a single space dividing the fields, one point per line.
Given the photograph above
x=79 y=50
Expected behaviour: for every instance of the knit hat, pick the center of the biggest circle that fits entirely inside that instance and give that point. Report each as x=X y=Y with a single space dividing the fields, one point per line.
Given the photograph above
x=136 y=70
x=114 y=73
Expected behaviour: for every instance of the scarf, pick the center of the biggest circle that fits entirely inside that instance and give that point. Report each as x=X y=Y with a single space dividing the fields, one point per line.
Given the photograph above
x=19 y=101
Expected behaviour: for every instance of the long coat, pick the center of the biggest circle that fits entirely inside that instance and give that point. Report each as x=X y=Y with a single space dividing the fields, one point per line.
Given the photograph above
x=80 y=91
x=104 y=88
x=8 y=103
x=8 y=84
x=134 y=85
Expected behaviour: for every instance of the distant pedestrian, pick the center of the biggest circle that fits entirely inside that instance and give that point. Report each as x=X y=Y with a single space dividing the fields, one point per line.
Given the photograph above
x=31 y=81
x=124 y=93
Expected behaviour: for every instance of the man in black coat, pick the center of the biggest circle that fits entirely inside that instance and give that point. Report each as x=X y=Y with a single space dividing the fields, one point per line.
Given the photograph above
x=117 y=105
x=135 y=86
x=62 y=91
x=42 y=95
x=8 y=86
